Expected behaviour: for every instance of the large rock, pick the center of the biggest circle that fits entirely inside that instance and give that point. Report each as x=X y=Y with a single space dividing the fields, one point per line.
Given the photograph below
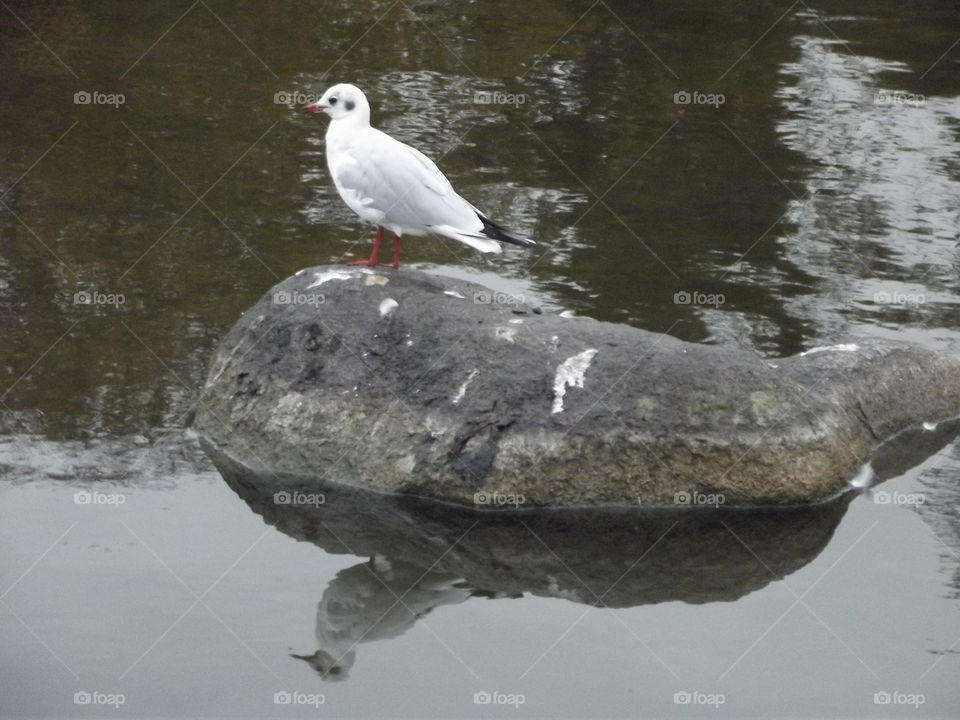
x=403 y=381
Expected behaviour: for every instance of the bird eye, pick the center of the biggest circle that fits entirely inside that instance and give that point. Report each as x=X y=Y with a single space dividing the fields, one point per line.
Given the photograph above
x=349 y=104
x=333 y=100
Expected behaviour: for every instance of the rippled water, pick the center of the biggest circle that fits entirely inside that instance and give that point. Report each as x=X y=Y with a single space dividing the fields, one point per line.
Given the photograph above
x=819 y=200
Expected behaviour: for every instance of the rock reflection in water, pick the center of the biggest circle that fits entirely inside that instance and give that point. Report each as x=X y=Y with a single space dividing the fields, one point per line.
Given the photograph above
x=423 y=554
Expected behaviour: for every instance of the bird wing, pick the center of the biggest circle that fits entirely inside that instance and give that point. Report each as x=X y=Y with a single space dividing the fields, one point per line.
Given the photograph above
x=433 y=178
x=353 y=181
x=403 y=184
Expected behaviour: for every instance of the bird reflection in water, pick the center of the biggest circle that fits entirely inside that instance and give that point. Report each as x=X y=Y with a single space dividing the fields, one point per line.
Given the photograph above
x=376 y=600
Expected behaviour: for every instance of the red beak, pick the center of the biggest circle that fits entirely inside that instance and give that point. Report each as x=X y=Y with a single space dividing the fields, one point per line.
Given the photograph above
x=314 y=107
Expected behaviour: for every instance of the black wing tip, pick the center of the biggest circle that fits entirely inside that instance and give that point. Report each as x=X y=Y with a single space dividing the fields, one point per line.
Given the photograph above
x=495 y=232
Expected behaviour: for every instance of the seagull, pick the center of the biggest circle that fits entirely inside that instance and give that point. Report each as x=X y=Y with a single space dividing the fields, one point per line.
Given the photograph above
x=394 y=186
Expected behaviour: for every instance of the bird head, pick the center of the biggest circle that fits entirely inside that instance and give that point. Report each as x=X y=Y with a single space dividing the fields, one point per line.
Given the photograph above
x=343 y=101
x=327 y=666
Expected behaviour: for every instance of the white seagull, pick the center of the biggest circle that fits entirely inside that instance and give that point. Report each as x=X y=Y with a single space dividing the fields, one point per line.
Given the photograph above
x=394 y=186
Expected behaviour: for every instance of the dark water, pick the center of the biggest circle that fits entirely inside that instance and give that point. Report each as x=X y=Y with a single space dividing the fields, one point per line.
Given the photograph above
x=818 y=201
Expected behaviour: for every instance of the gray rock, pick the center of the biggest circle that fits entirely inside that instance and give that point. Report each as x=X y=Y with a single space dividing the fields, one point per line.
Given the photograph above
x=405 y=382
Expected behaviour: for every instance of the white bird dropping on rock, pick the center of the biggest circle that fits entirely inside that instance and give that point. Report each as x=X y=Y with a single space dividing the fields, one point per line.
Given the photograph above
x=463 y=388
x=864 y=478
x=570 y=373
x=388 y=306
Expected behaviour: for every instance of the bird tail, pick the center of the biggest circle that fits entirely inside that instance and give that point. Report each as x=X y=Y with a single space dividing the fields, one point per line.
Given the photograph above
x=492 y=230
x=478 y=242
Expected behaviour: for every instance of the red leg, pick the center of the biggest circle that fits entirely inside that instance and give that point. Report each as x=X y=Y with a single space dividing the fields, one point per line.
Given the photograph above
x=396 y=251
x=376 y=248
